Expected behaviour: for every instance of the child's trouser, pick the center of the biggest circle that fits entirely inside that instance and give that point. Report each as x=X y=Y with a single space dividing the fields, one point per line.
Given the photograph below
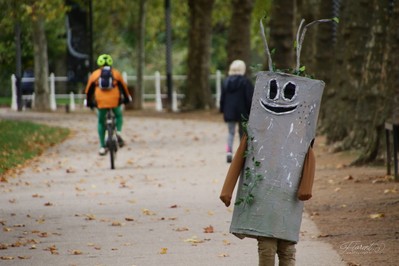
x=102 y=113
x=269 y=247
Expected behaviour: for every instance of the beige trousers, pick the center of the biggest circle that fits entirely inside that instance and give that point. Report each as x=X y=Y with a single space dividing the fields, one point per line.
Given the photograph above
x=269 y=247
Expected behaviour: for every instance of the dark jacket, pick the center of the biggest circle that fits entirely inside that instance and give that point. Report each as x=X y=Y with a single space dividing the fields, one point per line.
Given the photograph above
x=236 y=98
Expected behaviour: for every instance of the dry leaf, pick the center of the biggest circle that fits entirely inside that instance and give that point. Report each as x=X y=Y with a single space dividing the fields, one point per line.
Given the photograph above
x=90 y=217
x=3 y=246
x=163 y=251
x=76 y=252
x=181 y=229
x=226 y=242
x=173 y=206
x=386 y=191
x=194 y=240
x=116 y=224
x=24 y=257
x=349 y=177
x=53 y=249
x=70 y=170
x=208 y=229
x=6 y=258
x=376 y=215
x=129 y=219
x=148 y=212
x=48 y=204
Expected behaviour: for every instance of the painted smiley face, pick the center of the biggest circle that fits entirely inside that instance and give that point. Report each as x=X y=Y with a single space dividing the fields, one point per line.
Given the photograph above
x=278 y=100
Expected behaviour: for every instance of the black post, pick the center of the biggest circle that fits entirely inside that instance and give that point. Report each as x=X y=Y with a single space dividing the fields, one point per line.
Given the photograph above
x=91 y=35
x=169 y=83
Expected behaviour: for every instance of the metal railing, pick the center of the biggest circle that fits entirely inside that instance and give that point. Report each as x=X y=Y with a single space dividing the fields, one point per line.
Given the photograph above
x=154 y=93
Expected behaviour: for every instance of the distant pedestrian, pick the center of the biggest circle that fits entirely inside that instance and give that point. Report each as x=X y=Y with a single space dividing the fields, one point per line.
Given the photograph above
x=235 y=102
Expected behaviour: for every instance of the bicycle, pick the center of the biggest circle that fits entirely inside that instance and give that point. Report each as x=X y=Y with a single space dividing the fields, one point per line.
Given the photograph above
x=111 y=141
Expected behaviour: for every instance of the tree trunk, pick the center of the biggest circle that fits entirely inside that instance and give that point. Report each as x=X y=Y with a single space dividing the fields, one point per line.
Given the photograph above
x=344 y=91
x=239 y=38
x=42 y=90
x=139 y=89
x=368 y=112
x=198 y=95
x=282 y=33
x=390 y=66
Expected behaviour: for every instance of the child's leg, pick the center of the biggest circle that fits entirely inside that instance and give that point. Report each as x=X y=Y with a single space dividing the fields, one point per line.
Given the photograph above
x=231 y=126
x=118 y=118
x=267 y=248
x=101 y=113
x=286 y=252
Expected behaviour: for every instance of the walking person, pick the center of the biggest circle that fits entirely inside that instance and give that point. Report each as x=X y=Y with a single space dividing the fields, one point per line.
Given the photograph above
x=235 y=102
x=105 y=90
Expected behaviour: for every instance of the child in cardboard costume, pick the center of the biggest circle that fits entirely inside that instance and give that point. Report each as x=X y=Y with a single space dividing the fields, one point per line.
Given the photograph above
x=275 y=162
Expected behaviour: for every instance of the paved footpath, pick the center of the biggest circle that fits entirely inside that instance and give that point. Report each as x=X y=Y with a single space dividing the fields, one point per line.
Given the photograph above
x=159 y=206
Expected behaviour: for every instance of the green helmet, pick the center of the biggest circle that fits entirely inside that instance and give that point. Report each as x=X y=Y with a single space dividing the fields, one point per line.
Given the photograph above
x=104 y=60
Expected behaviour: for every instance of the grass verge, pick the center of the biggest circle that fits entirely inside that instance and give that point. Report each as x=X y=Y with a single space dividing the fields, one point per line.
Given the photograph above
x=21 y=141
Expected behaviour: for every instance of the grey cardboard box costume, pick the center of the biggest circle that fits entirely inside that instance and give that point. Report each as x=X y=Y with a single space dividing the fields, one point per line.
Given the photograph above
x=281 y=127
x=277 y=170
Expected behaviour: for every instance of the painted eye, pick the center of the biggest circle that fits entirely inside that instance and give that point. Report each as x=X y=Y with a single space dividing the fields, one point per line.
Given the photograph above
x=273 y=89
x=289 y=91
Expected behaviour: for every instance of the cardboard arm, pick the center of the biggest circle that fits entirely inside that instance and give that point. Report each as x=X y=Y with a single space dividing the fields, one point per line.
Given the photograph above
x=308 y=173
x=234 y=172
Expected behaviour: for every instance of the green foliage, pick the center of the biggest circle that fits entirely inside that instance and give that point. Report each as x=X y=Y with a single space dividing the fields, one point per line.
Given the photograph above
x=115 y=31
x=21 y=141
x=251 y=175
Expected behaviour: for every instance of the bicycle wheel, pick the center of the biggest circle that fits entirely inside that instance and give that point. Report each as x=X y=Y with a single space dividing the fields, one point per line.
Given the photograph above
x=111 y=146
x=112 y=155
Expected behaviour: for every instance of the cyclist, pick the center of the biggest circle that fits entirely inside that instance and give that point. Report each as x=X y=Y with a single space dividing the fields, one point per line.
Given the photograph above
x=105 y=90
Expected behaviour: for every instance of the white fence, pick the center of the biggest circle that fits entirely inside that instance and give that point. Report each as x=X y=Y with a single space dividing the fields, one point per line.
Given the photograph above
x=157 y=95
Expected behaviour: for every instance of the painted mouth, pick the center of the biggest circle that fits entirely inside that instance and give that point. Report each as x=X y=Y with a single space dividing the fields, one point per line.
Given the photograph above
x=278 y=109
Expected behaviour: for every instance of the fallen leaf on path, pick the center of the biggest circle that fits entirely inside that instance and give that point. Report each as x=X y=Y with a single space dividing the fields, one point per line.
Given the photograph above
x=226 y=243
x=194 y=240
x=208 y=230
x=37 y=196
x=377 y=215
x=116 y=223
x=48 y=204
x=3 y=246
x=6 y=258
x=79 y=189
x=163 y=251
x=386 y=191
x=129 y=219
x=76 y=252
x=24 y=257
x=349 y=177
x=148 y=212
x=70 y=170
x=181 y=229
x=323 y=235
x=18 y=225
x=173 y=206
x=90 y=217
x=53 y=249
